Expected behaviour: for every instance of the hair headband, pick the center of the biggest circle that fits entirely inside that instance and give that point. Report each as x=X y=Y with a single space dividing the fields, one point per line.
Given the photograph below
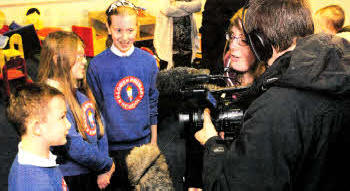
x=124 y=3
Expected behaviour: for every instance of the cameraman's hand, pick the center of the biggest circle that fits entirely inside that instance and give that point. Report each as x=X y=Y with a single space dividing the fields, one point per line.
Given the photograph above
x=208 y=129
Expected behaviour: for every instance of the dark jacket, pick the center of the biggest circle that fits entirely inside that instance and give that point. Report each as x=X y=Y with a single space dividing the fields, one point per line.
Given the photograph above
x=295 y=135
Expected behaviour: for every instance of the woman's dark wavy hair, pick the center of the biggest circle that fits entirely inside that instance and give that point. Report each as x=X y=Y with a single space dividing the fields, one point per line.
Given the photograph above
x=280 y=20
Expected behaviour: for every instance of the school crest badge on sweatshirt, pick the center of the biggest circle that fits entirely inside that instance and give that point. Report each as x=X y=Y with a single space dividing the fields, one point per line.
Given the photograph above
x=89 y=118
x=129 y=92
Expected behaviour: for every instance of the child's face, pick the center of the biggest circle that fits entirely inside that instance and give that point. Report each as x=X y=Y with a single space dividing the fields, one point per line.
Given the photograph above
x=56 y=127
x=123 y=30
x=78 y=69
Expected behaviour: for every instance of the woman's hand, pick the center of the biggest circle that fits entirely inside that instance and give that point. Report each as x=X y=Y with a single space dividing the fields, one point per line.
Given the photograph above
x=208 y=129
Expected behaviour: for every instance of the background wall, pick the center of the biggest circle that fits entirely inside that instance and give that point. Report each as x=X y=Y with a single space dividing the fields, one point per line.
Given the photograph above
x=65 y=13
x=54 y=13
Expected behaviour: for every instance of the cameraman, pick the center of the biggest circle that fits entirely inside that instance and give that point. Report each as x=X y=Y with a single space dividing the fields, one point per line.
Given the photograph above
x=294 y=135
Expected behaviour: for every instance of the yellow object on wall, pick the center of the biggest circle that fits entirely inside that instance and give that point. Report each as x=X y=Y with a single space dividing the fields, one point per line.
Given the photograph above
x=34 y=19
x=2 y=19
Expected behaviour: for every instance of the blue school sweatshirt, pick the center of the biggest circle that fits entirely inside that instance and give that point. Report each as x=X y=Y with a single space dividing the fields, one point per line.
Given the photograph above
x=125 y=90
x=35 y=178
x=85 y=156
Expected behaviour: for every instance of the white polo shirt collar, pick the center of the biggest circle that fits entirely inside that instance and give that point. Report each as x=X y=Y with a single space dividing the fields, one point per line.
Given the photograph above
x=26 y=158
x=117 y=52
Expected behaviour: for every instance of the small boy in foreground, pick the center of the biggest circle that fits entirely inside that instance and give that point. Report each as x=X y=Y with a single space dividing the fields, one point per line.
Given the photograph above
x=38 y=113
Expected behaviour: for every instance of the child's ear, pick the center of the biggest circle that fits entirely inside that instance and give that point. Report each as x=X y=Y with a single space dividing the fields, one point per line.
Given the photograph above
x=34 y=127
x=37 y=130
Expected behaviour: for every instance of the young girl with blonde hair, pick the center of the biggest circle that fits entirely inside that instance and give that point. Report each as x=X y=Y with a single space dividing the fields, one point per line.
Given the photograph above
x=123 y=80
x=85 y=161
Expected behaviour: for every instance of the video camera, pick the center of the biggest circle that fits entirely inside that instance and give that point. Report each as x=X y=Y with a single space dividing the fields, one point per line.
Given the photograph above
x=196 y=92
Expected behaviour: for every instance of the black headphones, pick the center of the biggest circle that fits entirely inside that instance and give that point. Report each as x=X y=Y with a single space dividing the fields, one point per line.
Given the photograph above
x=258 y=42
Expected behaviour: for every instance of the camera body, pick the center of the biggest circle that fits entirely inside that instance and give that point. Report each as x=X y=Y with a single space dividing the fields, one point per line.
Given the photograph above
x=226 y=113
x=186 y=92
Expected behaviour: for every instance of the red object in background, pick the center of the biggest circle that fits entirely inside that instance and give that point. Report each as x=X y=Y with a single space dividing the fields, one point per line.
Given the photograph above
x=140 y=13
x=86 y=35
x=45 y=31
x=4 y=29
x=147 y=50
x=15 y=68
x=151 y=52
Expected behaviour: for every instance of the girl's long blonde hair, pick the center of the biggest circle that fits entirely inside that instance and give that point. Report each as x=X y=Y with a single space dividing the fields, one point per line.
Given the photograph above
x=58 y=55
